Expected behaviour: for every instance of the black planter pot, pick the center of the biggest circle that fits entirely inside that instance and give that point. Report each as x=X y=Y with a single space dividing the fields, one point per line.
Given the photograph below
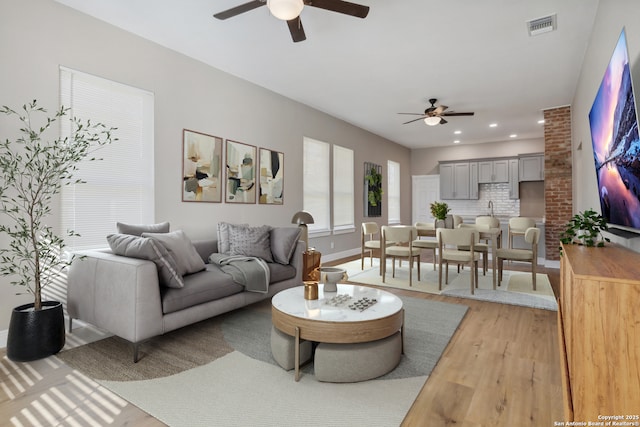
x=35 y=334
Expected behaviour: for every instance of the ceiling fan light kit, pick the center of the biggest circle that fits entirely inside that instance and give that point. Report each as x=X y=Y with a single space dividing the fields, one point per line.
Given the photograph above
x=289 y=10
x=435 y=115
x=285 y=10
x=432 y=121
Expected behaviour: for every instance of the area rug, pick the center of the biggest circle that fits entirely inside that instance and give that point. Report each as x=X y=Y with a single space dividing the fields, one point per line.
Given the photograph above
x=242 y=385
x=516 y=287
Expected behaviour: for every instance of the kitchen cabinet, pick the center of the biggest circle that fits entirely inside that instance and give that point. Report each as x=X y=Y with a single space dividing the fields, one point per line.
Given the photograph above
x=454 y=180
x=514 y=182
x=531 y=168
x=492 y=171
x=473 y=181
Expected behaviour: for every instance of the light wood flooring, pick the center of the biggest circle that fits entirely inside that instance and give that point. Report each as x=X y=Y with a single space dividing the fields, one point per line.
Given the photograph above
x=501 y=368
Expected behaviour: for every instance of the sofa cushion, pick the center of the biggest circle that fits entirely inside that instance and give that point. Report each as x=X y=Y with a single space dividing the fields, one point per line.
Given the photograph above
x=138 y=229
x=180 y=247
x=280 y=272
x=145 y=248
x=283 y=243
x=208 y=285
x=223 y=236
x=250 y=241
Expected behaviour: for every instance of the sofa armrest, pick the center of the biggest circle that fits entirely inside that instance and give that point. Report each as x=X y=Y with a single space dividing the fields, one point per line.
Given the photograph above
x=297 y=260
x=115 y=293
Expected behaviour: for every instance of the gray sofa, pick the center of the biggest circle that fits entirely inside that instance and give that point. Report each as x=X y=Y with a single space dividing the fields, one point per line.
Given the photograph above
x=124 y=295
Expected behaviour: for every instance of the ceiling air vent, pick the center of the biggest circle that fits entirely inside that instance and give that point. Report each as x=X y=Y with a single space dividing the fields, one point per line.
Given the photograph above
x=542 y=25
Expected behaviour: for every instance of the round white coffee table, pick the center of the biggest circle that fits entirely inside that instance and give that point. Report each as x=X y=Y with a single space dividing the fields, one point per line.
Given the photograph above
x=325 y=321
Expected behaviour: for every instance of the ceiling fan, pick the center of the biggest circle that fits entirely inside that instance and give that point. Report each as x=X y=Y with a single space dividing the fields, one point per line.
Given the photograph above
x=435 y=115
x=289 y=10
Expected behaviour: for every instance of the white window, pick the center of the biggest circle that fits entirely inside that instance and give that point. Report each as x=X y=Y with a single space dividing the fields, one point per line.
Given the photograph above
x=343 y=192
x=393 y=188
x=316 y=186
x=120 y=187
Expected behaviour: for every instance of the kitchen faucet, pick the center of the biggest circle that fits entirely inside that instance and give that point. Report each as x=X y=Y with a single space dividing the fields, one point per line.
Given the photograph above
x=491 y=207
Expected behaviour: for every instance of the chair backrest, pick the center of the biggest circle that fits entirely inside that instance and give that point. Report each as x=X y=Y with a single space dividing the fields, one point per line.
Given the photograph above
x=399 y=233
x=532 y=235
x=457 y=220
x=463 y=236
x=488 y=221
x=521 y=223
x=370 y=228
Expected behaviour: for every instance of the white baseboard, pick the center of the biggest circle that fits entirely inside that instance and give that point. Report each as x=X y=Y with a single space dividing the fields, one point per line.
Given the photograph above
x=3 y=338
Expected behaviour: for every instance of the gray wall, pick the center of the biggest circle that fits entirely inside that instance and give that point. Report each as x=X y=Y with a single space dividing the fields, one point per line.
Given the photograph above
x=37 y=36
x=612 y=16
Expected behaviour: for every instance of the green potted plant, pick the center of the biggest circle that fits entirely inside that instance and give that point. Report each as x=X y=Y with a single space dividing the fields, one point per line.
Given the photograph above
x=440 y=210
x=374 y=181
x=33 y=170
x=585 y=228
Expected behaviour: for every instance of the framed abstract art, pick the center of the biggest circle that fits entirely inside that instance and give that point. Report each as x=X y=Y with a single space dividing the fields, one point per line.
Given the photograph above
x=240 y=186
x=201 y=170
x=271 y=177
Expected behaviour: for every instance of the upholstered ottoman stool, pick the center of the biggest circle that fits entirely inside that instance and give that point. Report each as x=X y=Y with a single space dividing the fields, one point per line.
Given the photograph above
x=348 y=363
x=283 y=349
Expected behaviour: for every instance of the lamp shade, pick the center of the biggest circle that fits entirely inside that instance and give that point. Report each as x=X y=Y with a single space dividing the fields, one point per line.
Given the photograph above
x=432 y=121
x=302 y=217
x=285 y=9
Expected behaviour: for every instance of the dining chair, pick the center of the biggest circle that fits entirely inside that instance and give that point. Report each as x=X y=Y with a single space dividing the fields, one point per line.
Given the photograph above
x=517 y=227
x=482 y=223
x=429 y=244
x=532 y=237
x=370 y=241
x=402 y=247
x=448 y=242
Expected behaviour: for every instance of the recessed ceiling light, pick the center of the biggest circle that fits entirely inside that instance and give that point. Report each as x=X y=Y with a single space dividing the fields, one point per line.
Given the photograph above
x=457 y=132
x=513 y=135
x=540 y=122
x=457 y=141
x=493 y=125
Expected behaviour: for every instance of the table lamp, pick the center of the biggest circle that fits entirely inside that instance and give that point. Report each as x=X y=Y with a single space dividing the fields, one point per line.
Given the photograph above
x=302 y=218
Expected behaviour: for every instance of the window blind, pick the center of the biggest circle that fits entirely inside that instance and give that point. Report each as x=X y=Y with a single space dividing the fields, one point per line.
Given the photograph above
x=343 y=188
x=316 y=188
x=393 y=187
x=120 y=186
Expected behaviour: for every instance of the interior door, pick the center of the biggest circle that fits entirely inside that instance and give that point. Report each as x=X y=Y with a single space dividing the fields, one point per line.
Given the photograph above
x=425 y=190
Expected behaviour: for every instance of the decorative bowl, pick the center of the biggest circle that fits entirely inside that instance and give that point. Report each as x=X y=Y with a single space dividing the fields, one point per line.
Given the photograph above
x=330 y=276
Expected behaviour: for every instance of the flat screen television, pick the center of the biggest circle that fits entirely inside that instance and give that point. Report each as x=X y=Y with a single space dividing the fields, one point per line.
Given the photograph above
x=616 y=145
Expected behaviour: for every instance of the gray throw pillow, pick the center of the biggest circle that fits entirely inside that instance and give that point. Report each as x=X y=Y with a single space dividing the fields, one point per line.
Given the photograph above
x=181 y=249
x=250 y=241
x=283 y=243
x=223 y=236
x=138 y=229
x=144 y=248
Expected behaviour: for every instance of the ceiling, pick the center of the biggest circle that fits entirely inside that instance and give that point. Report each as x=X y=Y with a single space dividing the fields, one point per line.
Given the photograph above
x=471 y=55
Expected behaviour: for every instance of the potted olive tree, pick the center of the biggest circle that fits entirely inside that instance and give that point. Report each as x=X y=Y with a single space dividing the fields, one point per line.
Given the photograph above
x=33 y=170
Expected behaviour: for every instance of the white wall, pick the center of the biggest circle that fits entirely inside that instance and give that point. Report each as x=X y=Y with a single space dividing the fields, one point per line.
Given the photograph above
x=37 y=36
x=611 y=17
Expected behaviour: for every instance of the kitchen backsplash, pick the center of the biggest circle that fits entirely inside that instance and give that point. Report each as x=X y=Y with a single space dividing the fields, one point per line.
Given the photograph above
x=497 y=193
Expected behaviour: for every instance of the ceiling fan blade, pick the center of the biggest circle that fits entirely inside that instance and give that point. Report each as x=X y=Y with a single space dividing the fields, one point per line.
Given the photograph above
x=457 y=114
x=246 y=7
x=296 y=30
x=345 y=7
x=414 y=120
x=443 y=121
x=440 y=109
x=413 y=114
